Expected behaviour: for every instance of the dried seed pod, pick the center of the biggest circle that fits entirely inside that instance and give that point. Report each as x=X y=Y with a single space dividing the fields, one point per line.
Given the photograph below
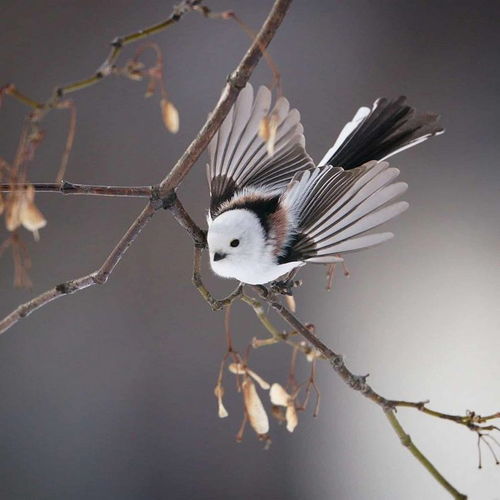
x=219 y=393
x=239 y=369
x=170 y=116
x=264 y=129
x=236 y=368
x=267 y=131
x=29 y=214
x=278 y=395
x=257 y=415
x=21 y=209
x=12 y=219
x=292 y=419
x=273 y=128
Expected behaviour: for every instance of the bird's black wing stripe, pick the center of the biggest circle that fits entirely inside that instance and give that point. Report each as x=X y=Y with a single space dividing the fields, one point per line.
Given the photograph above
x=238 y=155
x=263 y=208
x=222 y=189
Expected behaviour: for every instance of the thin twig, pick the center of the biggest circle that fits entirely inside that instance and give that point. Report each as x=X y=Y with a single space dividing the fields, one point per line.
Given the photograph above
x=235 y=82
x=70 y=106
x=408 y=443
x=214 y=303
x=276 y=335
x=358 y=383
x=98 y=277
x=65 y=187
x=184 y=219
x=105 y=69
x=11 y=90
x=164 y=197
x=470 y=420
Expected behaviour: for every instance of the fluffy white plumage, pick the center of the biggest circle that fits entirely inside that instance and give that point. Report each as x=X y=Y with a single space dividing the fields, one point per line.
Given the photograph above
x=253 y=260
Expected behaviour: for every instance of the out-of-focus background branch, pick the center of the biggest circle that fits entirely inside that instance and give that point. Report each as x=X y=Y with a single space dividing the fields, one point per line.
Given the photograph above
x=19 y=203
x=137 y=314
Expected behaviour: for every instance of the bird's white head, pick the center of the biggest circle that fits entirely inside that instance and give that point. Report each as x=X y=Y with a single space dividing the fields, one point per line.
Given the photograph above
x=237 y=244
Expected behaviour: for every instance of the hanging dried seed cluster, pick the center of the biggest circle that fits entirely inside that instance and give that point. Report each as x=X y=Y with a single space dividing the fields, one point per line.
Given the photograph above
x=284 y=405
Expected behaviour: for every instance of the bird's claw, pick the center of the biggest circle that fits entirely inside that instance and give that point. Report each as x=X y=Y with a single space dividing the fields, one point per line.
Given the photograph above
x=285 y=287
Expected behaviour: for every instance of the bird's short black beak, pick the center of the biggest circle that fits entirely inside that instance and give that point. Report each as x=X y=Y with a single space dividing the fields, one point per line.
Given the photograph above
x=219 y=256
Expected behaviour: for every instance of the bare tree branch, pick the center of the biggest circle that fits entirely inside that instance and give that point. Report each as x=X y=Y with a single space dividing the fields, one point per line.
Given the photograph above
x=65 y=187
x=235 y=82
x=184 y=219
x=408 y=443
x=98 y=277
x=105 y=69
x=165 y=195
x=215 y=304
x=356 y=382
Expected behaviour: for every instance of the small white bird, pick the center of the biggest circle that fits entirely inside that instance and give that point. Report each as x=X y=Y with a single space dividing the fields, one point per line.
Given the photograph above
x=270 y=214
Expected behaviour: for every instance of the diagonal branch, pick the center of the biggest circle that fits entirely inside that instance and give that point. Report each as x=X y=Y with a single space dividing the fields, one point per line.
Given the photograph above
x=180 y=214
x=98 y=277
x=408 y=443
x=165 y=195
x=235 y=82
x=356 y=382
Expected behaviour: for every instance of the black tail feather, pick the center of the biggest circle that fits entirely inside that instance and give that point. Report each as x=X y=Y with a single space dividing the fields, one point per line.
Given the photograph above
x=389 y=127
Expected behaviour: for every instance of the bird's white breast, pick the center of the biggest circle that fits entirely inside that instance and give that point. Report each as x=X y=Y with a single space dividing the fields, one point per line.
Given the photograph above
x=254 y=273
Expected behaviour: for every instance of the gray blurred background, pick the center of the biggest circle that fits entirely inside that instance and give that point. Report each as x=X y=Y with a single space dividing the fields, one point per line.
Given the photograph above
x=108 y=394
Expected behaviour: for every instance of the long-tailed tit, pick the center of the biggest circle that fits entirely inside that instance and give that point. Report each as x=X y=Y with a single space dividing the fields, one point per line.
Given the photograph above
x=270 y=214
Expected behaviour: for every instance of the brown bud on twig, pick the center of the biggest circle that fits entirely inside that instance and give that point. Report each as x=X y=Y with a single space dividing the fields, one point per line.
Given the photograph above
x=170 y=116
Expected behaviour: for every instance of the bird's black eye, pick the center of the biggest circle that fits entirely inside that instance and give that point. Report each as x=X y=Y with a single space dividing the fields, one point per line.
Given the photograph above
x=235 y=243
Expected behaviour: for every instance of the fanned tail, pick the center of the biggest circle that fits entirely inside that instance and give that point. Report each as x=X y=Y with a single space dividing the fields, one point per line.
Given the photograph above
x=380 y=132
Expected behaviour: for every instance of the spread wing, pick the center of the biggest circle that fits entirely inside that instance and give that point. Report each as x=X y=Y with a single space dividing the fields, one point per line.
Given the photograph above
x=380 y=132
x=334 y=209
x=238 y=156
